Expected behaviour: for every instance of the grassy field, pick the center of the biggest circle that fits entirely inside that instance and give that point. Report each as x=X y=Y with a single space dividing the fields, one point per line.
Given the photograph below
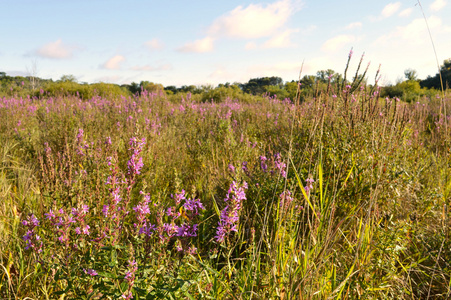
x=343 y=196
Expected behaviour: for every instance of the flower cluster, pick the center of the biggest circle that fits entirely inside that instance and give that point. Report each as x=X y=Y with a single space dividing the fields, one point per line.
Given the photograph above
x=263 y=163
x=285 y=199
x=62 y=221
x=141 y=211
x=82 y=145
x=229 y=217
x=136 y=162
x=309 y=185
x=185 y=215
x=130 y=278
x=91 y=272
x=280 y=165
x=31 y=238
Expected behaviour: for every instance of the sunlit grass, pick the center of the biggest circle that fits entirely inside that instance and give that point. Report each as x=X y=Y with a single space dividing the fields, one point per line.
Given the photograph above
x=347 y=197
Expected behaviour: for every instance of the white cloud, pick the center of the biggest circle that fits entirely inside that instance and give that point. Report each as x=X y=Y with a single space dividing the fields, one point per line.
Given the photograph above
x=198 y=46
x=390 y=9
x=437 y=5
x=222 y=74
x=164 y=67
x=289 y=67
x=415 y=33
x=55 y=50
x=406 y=12
x=337 y=42
x=113 y=63
x=354 y=25
x=255 y=20
x=281 y=40
x=154 y=44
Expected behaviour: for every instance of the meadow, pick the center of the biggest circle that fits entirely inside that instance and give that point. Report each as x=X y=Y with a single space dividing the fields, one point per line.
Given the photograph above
x=344 y=195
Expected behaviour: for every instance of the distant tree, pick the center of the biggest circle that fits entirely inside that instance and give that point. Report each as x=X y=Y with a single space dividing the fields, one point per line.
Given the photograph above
x=257 y=86
x=291 y=88
x=434 y=82
x=68 y=78
x=275 y=90
x=152 y=87
x=308 y=81
x=410 y=74
x=134 y=88
x=187 y=89
x=323 y=75
x=171 y=88
x=222 y=92
x=33 y=74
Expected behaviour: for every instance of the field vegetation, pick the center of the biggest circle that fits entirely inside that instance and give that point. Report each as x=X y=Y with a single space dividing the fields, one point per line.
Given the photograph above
x=334 y=192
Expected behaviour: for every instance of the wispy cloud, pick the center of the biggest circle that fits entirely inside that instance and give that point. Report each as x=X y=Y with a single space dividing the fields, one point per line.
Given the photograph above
x=411 y=32
x=222 y=73
x=154 y=44
x=390 y=9
x=255 y=20
x=354 y=25
x=113 y=63
x=198 y=46
x=281 y=40
x=437 y=5
x=278 y=68
x=163 y=67
x=406 y=12
x=337 y=42
x=55 y=50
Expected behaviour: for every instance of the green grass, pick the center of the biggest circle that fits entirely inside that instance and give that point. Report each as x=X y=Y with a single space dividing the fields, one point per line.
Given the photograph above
x=375 y=225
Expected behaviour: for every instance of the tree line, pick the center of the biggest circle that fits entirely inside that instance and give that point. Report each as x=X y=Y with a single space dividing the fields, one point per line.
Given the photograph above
x=309 y=85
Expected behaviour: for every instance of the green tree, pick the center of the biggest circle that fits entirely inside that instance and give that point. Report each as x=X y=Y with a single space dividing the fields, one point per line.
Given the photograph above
x=434 y=82
x=291 y=88
x=410 y=74
x=275 y=90
x=152 y=87
x=257 y=86
x=68 y=78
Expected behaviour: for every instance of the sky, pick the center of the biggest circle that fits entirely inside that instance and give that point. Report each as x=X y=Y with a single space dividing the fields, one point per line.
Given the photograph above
x=210 y=42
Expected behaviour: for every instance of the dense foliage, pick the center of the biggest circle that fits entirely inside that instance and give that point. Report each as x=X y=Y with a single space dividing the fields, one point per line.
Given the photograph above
x=344 y=195
x=410 y=90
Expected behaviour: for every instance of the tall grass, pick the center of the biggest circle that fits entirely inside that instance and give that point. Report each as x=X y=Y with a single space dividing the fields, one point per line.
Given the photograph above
x=347 y=197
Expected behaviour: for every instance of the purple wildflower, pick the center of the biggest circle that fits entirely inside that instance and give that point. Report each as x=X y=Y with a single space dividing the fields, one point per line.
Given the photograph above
x=50 y=215
x=179 y=197
x=86 y=229
x=136 y=162
x=193 y=205
x=263 y=164
x=31 y=238
x=91 y=272
x=186 y=230
x=230 y=214
x=147 y=229
x=130 y=278
x=285 y=199
x=105 y=210
x=281 y=166
x=309 y=185
x=244 y=166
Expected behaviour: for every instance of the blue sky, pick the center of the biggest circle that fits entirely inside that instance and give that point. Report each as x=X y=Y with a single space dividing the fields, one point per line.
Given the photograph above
x=210 y=42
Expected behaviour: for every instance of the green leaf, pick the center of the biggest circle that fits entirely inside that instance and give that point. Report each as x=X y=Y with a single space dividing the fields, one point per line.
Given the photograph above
x=107 y=275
